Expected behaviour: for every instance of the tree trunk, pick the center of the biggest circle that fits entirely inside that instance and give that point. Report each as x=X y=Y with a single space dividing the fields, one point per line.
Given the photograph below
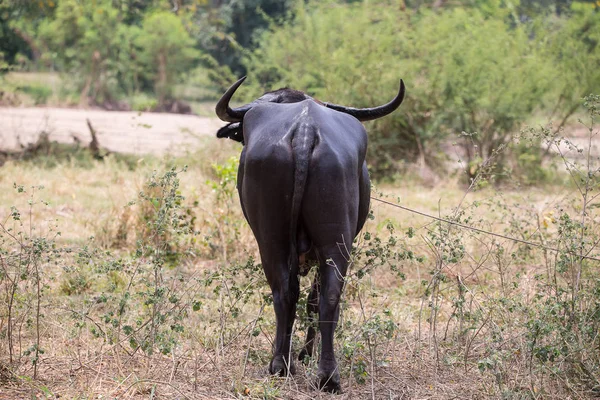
x=161 y=86
x=438 y=4
x=35 y=51
x=90 y=81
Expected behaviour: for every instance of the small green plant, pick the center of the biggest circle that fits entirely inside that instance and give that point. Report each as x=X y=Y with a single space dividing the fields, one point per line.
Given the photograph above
x=25 y=253
x=75 y=282
x=142 y=102
x=529 y=163
x=157 y=249
x=39 y=93
x=562 y=332
x=224 y=222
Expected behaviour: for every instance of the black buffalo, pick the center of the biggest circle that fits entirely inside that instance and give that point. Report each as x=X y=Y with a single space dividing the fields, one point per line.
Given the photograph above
x=304 y=189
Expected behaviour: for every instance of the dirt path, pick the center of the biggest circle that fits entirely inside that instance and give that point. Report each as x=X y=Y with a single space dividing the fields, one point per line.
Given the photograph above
x=125 y=132
x=143 y=133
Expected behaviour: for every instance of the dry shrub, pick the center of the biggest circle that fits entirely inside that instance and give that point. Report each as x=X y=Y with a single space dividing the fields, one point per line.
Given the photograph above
x=430 y=310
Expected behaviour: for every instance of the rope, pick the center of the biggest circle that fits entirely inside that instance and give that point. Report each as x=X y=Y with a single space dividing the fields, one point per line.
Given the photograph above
x=539 y=245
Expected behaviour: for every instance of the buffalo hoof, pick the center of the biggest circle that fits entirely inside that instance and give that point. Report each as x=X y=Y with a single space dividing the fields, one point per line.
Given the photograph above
x=279 y=366
x=329 y=382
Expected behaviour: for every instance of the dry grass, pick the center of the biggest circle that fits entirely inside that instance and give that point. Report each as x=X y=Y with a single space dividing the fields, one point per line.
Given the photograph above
x=89 y=201
x=399 y=337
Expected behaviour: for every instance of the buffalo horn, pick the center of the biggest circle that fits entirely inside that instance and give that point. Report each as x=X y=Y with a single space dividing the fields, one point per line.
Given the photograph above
x=368 y=114
x=224 y=112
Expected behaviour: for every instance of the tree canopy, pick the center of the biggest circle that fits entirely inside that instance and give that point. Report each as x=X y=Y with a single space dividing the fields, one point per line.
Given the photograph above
x=477 y=69
x=471 y=70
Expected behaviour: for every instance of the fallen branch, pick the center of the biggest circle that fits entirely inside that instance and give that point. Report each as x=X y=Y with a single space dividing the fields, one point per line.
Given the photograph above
x=94 y=145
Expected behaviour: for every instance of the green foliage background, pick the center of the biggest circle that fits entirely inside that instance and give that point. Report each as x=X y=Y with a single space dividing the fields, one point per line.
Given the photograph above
x=468 y=69
x=475 y=71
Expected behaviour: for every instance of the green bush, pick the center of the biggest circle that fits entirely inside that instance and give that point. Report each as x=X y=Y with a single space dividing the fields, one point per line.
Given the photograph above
x=465 y=70
x=574 y=46
x=143 y=102
x=166 y=51
x=110 y=59
x=527 y=161
x=88 y=41
x=39 y=93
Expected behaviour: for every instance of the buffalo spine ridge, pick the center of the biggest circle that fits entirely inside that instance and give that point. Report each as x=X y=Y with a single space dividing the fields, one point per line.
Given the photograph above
x=303 y=141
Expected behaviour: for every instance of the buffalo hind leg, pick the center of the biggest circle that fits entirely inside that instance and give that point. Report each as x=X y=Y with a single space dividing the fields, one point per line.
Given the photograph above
x=333 y=266
x=312 y=310
x=285 y=297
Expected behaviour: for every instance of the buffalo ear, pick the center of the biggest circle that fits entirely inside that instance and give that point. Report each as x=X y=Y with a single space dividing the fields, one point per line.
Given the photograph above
x=232 y=131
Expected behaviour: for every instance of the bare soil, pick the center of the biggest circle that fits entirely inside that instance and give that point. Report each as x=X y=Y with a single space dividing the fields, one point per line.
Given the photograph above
x=125 y=132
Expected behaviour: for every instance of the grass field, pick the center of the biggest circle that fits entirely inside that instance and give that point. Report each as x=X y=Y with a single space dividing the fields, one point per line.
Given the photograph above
x=50 y=89
x=151 y=300
x=137 y=277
